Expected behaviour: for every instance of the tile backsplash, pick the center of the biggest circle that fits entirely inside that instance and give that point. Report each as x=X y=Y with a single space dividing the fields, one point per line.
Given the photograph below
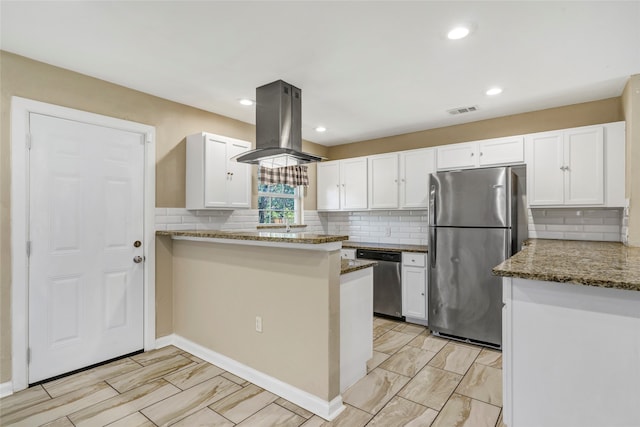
x=404 y=227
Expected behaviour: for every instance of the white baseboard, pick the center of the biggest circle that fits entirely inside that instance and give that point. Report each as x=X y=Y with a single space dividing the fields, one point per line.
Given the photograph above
x=165 y=341
x=6 y=389
x=323 y=408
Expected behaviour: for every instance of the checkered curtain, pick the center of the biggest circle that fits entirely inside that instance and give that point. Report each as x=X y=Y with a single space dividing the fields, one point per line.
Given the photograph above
x=290 y=175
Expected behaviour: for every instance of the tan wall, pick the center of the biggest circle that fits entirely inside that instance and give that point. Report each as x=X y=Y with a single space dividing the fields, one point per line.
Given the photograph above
x=35 y=80
x=218 y=293
x=589 y=113
x=631 y=107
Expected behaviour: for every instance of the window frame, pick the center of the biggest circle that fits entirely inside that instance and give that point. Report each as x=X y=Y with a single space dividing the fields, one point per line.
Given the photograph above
x=298 y=203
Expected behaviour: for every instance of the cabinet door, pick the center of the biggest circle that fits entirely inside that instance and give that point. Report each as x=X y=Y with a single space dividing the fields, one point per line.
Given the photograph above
x=584 y=166
x=383 y=181
x=501 y=151
x=353 y=183
x=414 y=292
x=328 y=182
x=238 y=177
x=415 y=167
x=457 y=156
x=545 y=178
x=215 y=173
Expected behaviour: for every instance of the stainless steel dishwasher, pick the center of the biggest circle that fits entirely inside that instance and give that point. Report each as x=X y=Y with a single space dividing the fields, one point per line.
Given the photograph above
x=387 y=283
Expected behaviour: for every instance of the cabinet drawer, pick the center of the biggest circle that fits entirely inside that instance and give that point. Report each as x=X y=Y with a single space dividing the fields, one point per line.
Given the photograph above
x=413 y=259
x=348 y=253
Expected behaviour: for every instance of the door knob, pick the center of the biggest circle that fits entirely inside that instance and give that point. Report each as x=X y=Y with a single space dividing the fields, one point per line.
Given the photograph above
x=137 y=259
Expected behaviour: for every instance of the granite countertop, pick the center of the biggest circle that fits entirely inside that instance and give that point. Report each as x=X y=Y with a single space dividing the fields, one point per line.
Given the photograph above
x=351 y=265
x=264 y=236
x=602 y=264
x=392 y=247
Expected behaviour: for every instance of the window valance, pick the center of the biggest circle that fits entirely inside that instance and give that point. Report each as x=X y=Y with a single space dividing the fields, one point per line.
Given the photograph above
x=290 y=175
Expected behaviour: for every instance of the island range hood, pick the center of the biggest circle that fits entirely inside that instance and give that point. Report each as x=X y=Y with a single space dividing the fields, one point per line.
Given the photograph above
x=278 y=127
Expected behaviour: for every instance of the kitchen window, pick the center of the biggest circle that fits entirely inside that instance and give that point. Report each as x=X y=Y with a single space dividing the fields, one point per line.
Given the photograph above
x=279 y=204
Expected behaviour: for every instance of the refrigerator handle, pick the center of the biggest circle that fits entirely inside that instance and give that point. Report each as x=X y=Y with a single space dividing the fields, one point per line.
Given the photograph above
x=432 y=204
x=433 y=239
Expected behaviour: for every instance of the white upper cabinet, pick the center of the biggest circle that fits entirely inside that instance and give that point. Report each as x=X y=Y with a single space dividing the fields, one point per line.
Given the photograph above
x=489 y=152
x=415 y=168
x=501 y=151
x=383 y=181
x=577 y=167
x=213 y=180
x=342 y=184
x=458 y=156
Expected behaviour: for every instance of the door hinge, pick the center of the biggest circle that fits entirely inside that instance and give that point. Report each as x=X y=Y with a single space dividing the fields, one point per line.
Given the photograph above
x=28 y=141
x=28 y=355
x=29 y=248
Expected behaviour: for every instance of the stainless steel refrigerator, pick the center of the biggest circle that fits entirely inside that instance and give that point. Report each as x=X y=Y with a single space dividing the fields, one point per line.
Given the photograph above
x=477 y=219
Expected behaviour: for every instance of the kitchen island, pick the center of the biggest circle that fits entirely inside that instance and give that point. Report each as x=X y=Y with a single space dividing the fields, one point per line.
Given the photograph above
x=571 y=334
x=268 y=307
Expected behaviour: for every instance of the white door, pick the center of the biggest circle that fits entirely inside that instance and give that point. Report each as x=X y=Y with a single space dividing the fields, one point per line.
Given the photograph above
x=328 y=178
x=86 y=212
x=238 y=192
x=383 y=181
x=584 y=166
x=353 y=177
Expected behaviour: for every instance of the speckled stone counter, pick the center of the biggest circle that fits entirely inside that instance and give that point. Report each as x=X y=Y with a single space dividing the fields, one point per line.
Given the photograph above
x=602 y=264
x=392 y=247
x=351 y=265
x=261 y=236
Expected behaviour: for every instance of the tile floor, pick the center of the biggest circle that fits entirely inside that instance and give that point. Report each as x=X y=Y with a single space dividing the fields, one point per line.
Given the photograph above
x=414 y=379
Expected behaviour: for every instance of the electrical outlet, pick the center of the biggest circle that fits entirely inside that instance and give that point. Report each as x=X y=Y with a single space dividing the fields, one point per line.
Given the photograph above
x=258 y=324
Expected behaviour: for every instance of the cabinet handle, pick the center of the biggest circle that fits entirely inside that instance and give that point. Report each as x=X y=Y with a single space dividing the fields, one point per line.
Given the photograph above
x=402 y=180
x=481 y=153
x=422 y=294
x=471 y=154
x=395 y=180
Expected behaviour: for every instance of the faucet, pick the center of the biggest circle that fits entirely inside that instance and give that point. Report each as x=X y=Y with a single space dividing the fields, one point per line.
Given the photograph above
x=288 y=229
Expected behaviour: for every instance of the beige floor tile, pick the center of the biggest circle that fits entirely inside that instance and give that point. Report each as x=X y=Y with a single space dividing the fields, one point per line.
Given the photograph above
x=455 y=358
x=461 y=411
x=428 y=342
x=380 y=330
x=482 y=383
x=391 y=342
x=294 y=408
x=402 y=412
x=376 y=360
x=381 y=321
x=243 y=403
x=408 y=361
x=134 y=420
x=236 y=379
x=205 y=417
x=150 y=372
x=58 y=407
x=120 y=406
x=431 y=387
x=491 y=358
x=409 y=328
x=192 y=375
x=157 y=355
x=189 y=401
x=273 y=415
x=60 y=422
x=192 y=357
x=22 y=399
x=92 y=376
x=373 y=391
x=350 y=417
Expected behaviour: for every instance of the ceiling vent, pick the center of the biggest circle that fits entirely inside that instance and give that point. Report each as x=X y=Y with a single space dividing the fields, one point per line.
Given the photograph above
x=462 y=110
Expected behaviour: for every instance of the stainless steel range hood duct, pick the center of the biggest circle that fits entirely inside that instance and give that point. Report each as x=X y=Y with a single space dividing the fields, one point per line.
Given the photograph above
x=278 y=125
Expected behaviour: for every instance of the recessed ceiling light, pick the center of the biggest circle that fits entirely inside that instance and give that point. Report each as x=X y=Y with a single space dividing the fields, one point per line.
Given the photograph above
x=458 y=33
x=321 y=129
x=494 y=91
x=247 y=101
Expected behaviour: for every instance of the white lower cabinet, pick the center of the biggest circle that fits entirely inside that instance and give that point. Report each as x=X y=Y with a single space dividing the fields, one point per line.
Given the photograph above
x=414 y=287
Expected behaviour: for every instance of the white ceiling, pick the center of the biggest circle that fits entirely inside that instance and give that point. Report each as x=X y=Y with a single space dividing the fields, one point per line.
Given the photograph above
x=366 y=69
